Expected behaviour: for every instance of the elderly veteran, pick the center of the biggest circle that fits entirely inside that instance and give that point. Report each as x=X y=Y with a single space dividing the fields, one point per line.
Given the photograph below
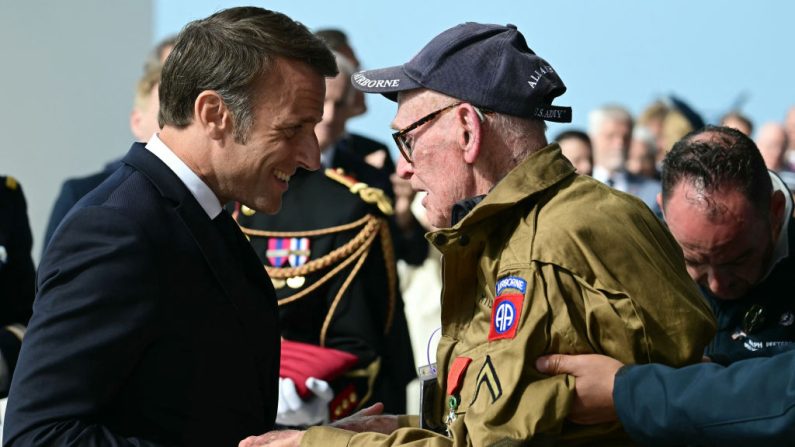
x=537 y=259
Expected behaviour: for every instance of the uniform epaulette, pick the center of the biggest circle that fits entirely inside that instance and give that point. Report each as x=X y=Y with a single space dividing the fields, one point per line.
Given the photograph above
x=11 y=183
x=369 y=194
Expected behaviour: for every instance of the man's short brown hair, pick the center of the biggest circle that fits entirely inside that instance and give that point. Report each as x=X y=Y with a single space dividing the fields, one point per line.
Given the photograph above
x=227 y=53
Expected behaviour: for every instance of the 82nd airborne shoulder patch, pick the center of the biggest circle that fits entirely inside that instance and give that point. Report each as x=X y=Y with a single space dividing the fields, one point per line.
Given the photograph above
x=507 y=307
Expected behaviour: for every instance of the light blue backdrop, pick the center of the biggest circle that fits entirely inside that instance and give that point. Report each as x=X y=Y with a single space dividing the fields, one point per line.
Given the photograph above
x=710 y=53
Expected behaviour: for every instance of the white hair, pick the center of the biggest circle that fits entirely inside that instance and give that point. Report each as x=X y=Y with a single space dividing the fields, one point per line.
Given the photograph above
x=612 y=112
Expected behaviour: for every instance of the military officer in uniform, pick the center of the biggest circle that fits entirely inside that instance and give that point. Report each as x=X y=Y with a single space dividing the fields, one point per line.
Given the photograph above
x=331 y=256
x=17 y=276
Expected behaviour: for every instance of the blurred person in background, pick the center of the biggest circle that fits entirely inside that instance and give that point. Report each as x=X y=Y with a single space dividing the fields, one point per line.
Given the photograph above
x=642 y=155
x=652 y=119
x=610 y=129
x=355 y=153
x=143 y=123
x=789 y=126
x=17 y=277
x=772 y=141
x=576 y=146
x=680 y=120
x=737 y=120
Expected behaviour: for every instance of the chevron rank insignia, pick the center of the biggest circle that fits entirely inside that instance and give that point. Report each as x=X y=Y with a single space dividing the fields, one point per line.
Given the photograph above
x=488 y=380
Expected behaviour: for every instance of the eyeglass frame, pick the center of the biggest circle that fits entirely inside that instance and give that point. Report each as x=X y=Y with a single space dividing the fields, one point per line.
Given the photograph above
x=405 y=149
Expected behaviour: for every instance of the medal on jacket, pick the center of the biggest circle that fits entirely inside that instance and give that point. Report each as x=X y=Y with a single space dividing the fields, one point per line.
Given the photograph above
x=455 y=378
x=754 y=319
x=296 y=282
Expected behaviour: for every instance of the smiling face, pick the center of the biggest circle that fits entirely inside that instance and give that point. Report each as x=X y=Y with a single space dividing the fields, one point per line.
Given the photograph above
x=727 y=245
x=288 y=105
x=438 y=166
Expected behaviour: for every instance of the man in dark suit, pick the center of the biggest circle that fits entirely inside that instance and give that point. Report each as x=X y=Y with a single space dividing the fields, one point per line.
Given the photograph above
x=154 y=322
x=17 y=276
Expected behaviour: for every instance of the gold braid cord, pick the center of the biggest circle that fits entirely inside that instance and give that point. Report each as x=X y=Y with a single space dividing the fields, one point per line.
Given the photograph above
x=356 y=250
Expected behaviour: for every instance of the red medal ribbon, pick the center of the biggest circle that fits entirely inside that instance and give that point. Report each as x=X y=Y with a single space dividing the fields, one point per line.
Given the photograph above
x=456 y=374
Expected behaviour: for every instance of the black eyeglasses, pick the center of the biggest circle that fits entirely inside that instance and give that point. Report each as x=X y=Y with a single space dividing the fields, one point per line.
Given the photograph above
x=400 y=136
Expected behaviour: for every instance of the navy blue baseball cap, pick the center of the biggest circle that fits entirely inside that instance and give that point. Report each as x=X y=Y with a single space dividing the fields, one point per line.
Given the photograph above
x=489 y=66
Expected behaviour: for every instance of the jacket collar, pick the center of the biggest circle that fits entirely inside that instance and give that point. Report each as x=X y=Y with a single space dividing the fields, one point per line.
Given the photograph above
x=163 y=178
x=535 y=174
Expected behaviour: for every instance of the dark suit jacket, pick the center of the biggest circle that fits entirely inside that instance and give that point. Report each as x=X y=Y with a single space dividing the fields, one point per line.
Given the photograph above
x=316 y=202
x=72 y=191
x=148 y=328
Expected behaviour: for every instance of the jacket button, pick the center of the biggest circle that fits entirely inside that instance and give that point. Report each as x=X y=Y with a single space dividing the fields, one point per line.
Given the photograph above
x=463 y=240
x=440 y=239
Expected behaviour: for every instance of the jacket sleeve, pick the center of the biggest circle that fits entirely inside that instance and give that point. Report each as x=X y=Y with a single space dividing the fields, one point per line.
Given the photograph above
x=404 y=437
x=91 y=321
x=751 y=402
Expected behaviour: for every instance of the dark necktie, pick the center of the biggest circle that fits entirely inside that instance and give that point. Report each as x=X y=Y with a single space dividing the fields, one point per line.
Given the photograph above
x=229 y=231
x=239 y=246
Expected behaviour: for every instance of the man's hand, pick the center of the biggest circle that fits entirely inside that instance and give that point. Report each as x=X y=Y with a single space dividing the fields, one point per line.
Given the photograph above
x=594 y=375
x=369 y=419
x=281 y=438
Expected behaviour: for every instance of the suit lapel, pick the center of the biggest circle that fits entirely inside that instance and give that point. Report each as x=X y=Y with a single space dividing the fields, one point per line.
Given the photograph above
x=218 y=256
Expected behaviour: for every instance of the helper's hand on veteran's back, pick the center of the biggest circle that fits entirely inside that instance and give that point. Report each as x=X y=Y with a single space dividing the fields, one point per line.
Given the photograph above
x=594 y=375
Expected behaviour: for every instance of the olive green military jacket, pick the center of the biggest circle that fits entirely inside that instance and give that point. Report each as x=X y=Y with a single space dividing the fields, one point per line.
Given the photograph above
x=548 y=262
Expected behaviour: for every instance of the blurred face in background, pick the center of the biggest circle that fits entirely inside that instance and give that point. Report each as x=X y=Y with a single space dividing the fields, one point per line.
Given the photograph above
x=610 y=143
x=143 y=119
x=579 y=154
x=641 y=159
x=336 y=111
x=772 y=143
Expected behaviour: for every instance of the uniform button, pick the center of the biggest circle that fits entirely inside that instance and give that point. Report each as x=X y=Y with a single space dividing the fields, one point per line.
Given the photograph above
x=440 y=239
x=463 y=240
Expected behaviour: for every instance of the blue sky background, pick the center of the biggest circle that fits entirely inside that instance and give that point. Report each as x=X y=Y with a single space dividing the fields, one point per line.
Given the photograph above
x=709 y=53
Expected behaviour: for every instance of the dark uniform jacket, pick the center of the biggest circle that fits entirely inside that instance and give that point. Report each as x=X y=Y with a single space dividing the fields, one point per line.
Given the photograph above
x=367 y=318
x=762 y=323
x=349 y=154
x=150 y=326
x=17 y=274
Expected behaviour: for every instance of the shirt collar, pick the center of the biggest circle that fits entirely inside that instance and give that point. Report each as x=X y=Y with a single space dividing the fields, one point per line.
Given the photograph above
x=200 y=191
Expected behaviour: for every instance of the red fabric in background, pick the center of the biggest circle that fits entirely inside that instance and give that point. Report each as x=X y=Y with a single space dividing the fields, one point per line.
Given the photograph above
x=300 y=361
